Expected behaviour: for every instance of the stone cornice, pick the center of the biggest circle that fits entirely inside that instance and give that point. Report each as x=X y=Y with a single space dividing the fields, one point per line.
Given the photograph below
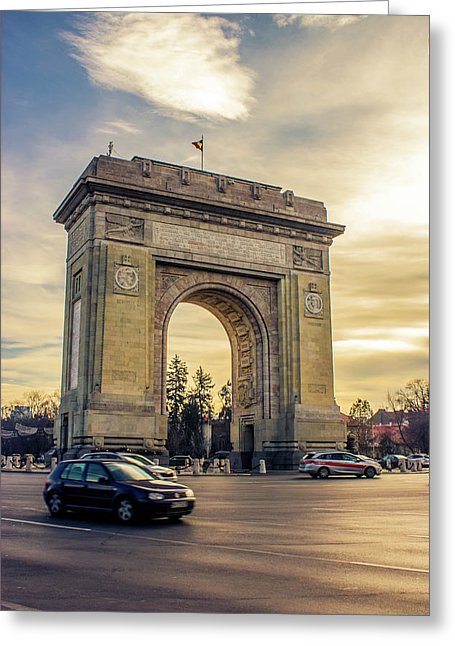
x=150 y=198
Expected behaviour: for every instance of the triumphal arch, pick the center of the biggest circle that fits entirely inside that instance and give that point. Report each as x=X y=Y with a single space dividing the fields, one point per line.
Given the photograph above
x=144 y=236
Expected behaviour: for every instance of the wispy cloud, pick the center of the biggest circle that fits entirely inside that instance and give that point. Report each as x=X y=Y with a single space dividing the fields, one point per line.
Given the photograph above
x=331 y=23
x=118 y=125
x=186 y=65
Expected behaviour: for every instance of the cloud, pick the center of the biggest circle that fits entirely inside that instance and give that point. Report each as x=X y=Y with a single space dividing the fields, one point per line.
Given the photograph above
x=118 y=125
x=186 y=65
x=331 y=23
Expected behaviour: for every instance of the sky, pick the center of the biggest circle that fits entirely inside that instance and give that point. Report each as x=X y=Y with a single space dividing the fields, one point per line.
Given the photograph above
x=333 y=107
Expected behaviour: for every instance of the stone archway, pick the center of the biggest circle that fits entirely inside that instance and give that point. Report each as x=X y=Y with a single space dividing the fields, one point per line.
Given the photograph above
x=247 y=310
x=144 y=236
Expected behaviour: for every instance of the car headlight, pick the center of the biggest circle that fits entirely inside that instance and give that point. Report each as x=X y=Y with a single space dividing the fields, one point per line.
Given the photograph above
x=155 y=496
x=189 y=493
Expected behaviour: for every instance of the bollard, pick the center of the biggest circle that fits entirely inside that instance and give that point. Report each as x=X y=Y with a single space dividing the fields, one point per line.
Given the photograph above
x=262 y=468
x=402 y=465
x=9 y=462
x=28 y=462
x=419 y=465
x=216 y=465
x=414 y=465
x=53 y=463
x=227 y=466
x=16 y=461
x=388 y=464
x=196 y=467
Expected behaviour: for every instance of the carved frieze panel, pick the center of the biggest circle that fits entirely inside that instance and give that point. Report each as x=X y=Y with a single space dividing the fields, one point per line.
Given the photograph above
x=265 y=294
x=167 y=280
x=307 y=258
x=122 y=227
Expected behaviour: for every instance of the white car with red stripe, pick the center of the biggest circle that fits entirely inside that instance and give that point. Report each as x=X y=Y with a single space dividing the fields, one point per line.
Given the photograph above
x=338 y=463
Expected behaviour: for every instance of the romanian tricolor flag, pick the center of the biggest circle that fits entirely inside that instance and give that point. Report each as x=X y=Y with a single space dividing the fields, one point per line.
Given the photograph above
x=198 y=144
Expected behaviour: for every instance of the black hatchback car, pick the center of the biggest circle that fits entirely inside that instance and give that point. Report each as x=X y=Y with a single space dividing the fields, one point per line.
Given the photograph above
x=125 y=490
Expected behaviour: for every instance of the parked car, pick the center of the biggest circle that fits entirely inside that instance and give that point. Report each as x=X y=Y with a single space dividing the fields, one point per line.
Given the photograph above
x=165 y=472
x=420 y=457
x=121 y=488
x=340 y=463
x=135 y=458
x=180 y=462
x=394 y=460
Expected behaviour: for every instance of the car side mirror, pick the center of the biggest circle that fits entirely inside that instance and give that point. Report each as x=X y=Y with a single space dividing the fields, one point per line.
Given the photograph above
x=103 y=480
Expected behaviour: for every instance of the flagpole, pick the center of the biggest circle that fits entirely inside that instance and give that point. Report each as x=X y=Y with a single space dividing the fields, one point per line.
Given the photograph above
x=202 y=151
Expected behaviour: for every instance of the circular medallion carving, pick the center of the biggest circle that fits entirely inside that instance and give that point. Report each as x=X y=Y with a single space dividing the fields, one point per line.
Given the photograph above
x=127 y=278
x=313 y=303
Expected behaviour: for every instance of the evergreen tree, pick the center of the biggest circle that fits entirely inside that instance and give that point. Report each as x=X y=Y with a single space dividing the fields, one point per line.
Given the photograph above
x=192 y=439
x=176 y=385
x=201 y=395
x=225 y=394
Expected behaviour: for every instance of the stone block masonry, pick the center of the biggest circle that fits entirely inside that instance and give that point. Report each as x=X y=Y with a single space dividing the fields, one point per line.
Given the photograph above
x=144 y=236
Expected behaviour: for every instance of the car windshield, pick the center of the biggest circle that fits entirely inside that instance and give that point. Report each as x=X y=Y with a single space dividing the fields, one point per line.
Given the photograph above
x=136 y=458
x=123 y=471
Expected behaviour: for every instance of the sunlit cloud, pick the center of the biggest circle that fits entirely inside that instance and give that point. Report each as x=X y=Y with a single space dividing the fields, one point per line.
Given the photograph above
x=329 y=22
x=118 y=125
x=186 y=65
x=377 y=345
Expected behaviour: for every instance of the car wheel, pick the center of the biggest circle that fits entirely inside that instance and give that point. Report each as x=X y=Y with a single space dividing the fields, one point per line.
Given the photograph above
x=370 y=472
x=125 y=511
x=56 y=505
x=323 y=472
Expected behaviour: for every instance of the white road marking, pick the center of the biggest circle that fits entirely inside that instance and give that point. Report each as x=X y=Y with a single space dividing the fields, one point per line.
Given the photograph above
x=359 y=511
x=417 y=536
x=6 y=605
x=34 y=522
x=229 y=548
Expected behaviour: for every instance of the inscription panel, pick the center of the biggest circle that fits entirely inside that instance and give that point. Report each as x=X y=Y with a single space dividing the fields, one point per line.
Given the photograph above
x=223 y=245
x=78 y=236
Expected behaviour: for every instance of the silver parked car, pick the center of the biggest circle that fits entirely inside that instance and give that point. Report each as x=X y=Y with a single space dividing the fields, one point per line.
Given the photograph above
x=338 y=463
x=136 y=458
x=424 y=458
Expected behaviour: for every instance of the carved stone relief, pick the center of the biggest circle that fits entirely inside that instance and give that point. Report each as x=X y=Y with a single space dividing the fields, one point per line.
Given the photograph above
x=122 y=227
x=167 y=280
x=246 y=390
x=307 y=257
x=77 y=237
x=314 y=304
x=126 y=277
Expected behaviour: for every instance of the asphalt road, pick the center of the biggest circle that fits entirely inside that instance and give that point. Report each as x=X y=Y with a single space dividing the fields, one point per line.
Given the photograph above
x=279 y=543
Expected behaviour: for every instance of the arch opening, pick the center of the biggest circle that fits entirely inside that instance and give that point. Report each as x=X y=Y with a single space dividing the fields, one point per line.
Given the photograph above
x=246 y=309
x=199 y=339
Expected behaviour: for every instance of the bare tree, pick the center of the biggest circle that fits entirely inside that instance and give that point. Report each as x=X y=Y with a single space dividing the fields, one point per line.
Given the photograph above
x=411 y=407
x=361 y=413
